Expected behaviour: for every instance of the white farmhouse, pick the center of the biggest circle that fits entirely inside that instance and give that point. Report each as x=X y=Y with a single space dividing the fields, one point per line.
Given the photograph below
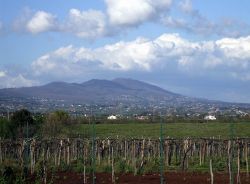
x=209 y=117
x=112 y=117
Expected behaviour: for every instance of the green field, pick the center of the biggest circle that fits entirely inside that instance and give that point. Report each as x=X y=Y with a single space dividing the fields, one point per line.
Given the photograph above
x=173 y=130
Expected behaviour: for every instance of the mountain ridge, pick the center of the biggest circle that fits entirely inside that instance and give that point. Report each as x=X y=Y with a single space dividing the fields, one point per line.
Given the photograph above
x=102 y=91
x=92 y=91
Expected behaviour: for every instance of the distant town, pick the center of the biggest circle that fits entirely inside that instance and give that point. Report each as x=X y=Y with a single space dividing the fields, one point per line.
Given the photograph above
x=206 y=111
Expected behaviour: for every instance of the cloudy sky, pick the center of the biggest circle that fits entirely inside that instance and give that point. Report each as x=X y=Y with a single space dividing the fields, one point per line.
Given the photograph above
x=199 y=48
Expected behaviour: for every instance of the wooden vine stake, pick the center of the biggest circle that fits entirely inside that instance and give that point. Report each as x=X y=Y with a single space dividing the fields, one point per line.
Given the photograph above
x=238 y=164
x=133 y=157
x=32 y=156
x=200 y=153
x=1 y=156
x=109 y=152
x=113 y=168
x=68 y=151
x=84 y=174
x=60 y=151
x=230 y=162
x=84 y=165
x=125 y=150
x=142 y=154
x=246 y=159
x=211 y=172
x=45 y=172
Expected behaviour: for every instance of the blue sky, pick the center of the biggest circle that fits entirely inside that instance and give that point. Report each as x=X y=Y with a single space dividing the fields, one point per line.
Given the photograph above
x=193 y=47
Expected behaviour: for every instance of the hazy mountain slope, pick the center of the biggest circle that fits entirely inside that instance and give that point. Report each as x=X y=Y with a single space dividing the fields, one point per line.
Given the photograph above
x=95 y=91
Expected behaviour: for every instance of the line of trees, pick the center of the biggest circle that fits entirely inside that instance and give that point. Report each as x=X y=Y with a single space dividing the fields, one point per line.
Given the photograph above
x=15 y=127
x=23 y=124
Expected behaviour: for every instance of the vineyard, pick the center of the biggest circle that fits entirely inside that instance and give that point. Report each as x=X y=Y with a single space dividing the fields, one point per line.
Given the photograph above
x=61 y=150
x=136 y=156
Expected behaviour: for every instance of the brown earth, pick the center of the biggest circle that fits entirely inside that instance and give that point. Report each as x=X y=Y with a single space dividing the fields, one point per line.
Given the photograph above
x=170 y=178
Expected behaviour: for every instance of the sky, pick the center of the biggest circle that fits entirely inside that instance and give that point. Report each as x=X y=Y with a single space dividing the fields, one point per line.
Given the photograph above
x=199 y=48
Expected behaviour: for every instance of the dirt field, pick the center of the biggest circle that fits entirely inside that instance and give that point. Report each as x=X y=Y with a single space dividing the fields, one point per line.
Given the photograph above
x=171 y=178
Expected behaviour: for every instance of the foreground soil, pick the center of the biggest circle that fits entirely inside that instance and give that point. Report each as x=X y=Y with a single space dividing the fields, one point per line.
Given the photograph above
x=170 y=178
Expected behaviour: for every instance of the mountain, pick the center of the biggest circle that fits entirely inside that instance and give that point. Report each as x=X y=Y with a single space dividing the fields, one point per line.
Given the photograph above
x=95 y=91
x=106 y=96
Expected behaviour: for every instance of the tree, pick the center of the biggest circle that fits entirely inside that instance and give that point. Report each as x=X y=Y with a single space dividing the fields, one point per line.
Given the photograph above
x=39 y=120
x=54 y=123
x=20 y=121
x=5 y=129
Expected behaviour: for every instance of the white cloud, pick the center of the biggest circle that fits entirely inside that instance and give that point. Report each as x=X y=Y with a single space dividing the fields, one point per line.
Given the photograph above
x=192 y=21
x=30 y=21
x=200 y=25
x=2 y=74
x=134 y=12
x=64 y=62
x=86 y=24
x=173 y=22
x=20 y=81
x=122 y=56
x=11 y=81
x=167 y=52
x=121 y=14
x=20 y=23
x=41 y=22
x=186 y=6
x=89 y=24
x=235 y=48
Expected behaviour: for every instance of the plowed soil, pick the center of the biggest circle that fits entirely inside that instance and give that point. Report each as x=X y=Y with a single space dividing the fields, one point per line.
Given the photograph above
x=170 y=178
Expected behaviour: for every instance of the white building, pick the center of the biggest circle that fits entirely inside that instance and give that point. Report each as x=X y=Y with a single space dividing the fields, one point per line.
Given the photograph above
x=209 y=117
x=112 y=117
x=142 y=117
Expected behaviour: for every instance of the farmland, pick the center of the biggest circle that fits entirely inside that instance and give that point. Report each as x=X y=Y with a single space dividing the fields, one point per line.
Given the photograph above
x=46 y=159
x=173 y=130
x=57 y=147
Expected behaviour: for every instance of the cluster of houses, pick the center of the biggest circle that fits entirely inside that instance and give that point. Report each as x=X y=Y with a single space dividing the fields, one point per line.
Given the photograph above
x=210 y=117
x=112 y=117
x=115 y=117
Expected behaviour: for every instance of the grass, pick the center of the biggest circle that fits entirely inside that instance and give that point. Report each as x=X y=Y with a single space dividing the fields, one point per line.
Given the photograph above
x=152 y=130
